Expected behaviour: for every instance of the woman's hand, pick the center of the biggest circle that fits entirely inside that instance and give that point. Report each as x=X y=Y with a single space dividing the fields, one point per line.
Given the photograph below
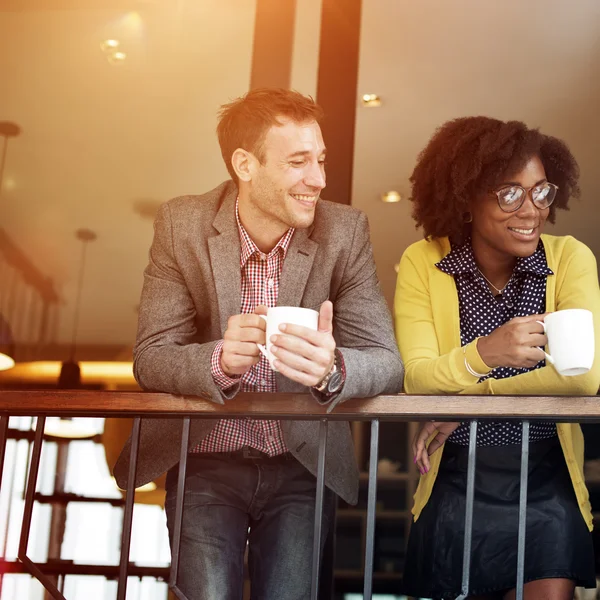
x=420 y=451
x=515 y=344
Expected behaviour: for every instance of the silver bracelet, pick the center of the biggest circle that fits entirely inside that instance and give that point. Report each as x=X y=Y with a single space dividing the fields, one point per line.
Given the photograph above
x=469 y=368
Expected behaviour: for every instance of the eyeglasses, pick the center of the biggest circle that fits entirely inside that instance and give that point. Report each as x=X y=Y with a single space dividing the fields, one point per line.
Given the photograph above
x=512 y=197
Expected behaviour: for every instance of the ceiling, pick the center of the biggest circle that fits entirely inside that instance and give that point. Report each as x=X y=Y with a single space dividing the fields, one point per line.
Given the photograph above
x=102 y=145
x=46 y=5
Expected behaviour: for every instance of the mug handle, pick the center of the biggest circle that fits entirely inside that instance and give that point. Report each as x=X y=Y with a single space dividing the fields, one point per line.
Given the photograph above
x=260 y=346
x=548 y=357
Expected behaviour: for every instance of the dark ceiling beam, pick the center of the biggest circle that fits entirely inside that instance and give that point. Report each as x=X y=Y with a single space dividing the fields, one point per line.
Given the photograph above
x=273 y=43
x=337 y=92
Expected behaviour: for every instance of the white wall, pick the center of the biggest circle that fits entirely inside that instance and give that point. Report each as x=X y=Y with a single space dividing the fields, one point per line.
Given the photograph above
x=537 y=61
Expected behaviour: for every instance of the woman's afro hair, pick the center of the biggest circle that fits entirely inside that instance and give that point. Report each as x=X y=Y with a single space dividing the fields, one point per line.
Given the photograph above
x=469 y=156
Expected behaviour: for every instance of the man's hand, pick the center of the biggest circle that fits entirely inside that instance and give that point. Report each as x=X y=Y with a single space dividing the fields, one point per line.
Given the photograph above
x=305 y=355
x=240 y=352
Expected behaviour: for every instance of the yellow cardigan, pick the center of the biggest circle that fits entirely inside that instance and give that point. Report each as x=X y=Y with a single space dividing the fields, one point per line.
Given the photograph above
x=428 y=334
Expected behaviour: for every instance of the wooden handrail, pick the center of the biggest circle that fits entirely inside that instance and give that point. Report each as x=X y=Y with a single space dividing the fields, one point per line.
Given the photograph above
x=401 y=407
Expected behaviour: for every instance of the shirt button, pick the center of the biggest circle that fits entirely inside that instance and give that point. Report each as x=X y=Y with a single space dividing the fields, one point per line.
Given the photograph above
x=263 y=256
x=263 y=382
x=270 y=283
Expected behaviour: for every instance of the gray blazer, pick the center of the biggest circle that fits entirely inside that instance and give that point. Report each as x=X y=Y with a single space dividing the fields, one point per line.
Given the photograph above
x=192 y=285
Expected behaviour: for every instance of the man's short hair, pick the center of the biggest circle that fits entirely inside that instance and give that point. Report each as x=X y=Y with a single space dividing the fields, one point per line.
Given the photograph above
x=244 y=122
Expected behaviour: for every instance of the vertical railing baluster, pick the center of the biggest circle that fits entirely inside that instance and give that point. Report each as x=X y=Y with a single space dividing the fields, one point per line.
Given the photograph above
x=3 y=431
x=371 y=506
x=128 y=512
x=469 y=503
x=183 y=456
x=28 y=513
x=314 y=591
x=522 y=510
x=31 y=483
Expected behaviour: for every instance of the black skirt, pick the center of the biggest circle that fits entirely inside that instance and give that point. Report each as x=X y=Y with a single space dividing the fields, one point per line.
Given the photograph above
x=558 y=542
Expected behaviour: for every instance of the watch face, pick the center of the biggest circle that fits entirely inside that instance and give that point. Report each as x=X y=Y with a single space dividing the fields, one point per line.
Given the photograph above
x=335 y=382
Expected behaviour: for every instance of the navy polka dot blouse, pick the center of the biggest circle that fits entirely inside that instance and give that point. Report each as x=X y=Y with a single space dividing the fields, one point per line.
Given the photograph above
x=481 y=312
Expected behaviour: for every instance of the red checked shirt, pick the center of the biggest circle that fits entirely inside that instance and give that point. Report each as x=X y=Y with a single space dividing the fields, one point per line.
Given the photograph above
x=261 y=274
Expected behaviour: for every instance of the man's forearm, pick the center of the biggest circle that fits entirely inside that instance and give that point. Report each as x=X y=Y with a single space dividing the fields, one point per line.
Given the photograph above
x=177 y=369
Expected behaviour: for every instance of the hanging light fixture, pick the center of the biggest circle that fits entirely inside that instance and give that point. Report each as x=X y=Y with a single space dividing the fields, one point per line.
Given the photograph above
x=70 y=372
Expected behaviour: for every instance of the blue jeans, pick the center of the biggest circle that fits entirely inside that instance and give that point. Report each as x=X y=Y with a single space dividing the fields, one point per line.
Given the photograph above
x=232 y=501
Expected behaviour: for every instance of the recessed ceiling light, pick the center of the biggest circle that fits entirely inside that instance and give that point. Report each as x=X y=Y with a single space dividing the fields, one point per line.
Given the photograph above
x=117 y=58
x=391 y=196
x=109 y=45
x=371 y=100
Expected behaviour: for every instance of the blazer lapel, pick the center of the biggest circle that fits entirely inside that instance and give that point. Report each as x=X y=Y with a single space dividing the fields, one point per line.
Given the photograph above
x=224 y=250
x=296 y=268
x=294 y=275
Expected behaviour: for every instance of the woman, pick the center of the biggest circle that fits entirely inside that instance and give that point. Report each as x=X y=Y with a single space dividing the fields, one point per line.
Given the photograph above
x=468 y=303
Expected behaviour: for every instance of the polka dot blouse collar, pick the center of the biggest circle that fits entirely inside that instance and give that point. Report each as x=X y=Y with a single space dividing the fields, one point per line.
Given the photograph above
x=461 y=260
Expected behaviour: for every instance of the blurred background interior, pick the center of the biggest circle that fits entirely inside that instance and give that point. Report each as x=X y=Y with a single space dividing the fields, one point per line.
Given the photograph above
x=107 y=109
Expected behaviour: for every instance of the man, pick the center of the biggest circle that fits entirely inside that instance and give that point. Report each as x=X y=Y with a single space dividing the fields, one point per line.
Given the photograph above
x=216 y=263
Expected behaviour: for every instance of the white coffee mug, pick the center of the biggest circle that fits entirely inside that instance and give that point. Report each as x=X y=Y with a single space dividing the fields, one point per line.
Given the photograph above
x=570 y=340
x=277 y=315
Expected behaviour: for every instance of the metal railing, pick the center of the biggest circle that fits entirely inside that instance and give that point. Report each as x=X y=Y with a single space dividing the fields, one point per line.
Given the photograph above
x=42 y=404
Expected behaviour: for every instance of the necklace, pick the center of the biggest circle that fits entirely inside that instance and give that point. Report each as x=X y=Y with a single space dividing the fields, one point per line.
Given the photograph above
x=500 y=291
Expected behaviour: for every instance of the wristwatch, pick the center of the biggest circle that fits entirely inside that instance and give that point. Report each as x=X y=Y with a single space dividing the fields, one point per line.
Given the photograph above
x=333 y=381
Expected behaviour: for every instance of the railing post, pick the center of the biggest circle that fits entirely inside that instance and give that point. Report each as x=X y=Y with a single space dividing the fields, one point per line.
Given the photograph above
x=3 y=431
x=522 y=510
x=128 y=512
x=183 y=456
x=371 y=505
x=31 y=483
x=314 y=591
x=469 y=503
x=28 y=512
